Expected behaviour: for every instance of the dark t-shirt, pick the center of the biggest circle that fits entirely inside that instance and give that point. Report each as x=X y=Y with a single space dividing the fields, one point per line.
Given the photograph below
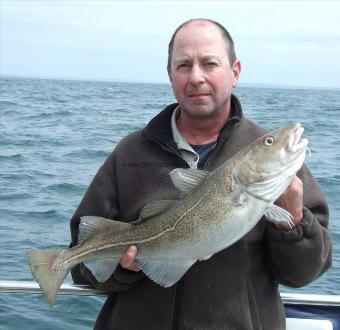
x=203 y=151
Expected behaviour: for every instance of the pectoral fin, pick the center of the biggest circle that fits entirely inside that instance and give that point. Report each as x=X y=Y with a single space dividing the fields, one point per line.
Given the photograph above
x=187 y=179
x=165 y=273
x=277 y=214
x=237 y=197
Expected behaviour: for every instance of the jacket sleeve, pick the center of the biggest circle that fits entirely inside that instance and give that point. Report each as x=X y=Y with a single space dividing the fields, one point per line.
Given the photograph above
x=101 y=200
x=304 y=253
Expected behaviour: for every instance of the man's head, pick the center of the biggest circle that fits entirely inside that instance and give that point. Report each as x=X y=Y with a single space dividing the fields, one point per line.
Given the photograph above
x=225 y=34
x=200 y=70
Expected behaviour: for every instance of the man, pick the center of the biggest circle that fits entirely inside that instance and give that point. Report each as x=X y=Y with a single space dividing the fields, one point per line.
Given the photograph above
x=238 y=287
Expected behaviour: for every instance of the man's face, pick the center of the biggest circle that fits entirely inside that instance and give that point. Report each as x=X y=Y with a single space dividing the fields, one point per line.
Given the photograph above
x=201 y=75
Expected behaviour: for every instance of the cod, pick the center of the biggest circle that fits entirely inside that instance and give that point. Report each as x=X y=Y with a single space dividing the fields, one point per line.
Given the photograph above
x=214 y=210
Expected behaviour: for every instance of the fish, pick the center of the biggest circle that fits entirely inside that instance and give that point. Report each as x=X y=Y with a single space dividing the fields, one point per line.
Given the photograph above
x=215 y=209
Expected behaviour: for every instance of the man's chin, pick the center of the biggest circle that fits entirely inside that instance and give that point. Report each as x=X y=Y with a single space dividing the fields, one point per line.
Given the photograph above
x=200 y=112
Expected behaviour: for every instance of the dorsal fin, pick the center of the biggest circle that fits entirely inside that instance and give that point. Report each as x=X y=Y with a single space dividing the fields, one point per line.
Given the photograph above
x=187 y=179
x=92 y=225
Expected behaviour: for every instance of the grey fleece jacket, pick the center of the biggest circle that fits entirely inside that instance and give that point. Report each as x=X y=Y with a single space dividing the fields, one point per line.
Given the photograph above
x=237 y=288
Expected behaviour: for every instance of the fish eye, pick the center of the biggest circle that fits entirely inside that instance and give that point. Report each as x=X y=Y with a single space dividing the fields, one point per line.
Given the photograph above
x=269 y=140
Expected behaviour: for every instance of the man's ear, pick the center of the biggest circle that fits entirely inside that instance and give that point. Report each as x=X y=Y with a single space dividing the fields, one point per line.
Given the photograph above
x=237 y=71
x=169 y=73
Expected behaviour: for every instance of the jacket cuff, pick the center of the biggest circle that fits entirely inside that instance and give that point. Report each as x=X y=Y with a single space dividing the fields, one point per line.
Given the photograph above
x=306 y=228
x=125 y=276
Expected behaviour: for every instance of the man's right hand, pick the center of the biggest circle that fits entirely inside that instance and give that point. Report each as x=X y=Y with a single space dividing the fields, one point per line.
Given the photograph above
x=127 y=261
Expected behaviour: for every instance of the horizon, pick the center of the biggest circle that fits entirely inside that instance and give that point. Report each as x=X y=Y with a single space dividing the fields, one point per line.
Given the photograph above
x=282 y=43
x=239 y=85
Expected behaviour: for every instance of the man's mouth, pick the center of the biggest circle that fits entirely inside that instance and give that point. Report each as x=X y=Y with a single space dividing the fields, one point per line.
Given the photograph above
x=198 y=95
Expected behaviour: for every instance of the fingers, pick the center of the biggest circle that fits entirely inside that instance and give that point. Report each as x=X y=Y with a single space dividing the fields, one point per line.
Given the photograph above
x=292 y=201
x=127 y=261
x=295 y=187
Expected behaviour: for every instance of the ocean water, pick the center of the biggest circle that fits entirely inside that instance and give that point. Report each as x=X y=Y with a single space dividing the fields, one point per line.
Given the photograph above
x=54 y=136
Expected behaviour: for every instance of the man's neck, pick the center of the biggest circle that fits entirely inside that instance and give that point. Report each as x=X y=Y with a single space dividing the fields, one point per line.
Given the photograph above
x=201 y=130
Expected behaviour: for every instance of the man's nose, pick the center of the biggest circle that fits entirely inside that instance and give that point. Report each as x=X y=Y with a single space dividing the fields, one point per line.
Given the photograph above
x=196 y=75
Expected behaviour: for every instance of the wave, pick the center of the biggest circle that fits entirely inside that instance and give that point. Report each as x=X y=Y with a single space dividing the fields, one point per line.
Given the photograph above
x=49 y=115
x=15 y=197
x=65 y=188
x=86 y=153
x=4 y=103
x=330 y=180
x=33 y=141
x=42 y=174
x=16 y=177
x=15 y=157
x=17 y=140
x=29 y=217
x=49 y=214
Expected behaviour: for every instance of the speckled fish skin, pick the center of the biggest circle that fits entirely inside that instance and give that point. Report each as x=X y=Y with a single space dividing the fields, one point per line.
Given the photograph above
x=217 y=212
x=207 y=214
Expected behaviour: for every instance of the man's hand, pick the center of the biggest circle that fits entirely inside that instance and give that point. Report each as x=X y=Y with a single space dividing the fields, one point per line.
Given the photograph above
x=292 y=201
x=127 y=261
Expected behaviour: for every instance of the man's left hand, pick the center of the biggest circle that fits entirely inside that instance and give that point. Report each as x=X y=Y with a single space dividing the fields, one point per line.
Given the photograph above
x=292 y=201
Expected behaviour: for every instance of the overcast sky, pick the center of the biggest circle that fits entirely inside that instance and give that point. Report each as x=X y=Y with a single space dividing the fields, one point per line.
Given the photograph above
x=278 y=42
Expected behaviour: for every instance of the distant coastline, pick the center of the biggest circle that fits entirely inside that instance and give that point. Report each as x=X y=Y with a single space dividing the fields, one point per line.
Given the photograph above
x=240 y=84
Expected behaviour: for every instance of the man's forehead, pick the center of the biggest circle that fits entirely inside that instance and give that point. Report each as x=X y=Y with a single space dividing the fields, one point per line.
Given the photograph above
x=200 y=47
x=193 y=26
x=194 y=34
x=199 y=24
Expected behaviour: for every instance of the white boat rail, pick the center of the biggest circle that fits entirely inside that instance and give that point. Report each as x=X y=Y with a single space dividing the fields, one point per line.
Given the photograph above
x=33 y=287
x=86 y=290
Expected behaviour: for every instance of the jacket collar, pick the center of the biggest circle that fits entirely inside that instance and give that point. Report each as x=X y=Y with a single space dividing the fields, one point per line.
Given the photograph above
x=159 y=128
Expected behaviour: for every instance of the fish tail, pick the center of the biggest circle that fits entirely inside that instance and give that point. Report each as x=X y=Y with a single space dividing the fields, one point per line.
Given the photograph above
x=47 y=271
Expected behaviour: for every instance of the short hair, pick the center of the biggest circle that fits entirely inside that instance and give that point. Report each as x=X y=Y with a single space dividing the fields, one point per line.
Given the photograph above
x=225 y=34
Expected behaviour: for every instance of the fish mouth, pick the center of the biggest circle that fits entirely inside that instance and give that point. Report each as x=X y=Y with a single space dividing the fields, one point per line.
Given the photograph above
x=296 y=143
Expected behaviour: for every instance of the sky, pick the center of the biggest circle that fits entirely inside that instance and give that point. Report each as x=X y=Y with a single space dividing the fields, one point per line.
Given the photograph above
x=295 y=43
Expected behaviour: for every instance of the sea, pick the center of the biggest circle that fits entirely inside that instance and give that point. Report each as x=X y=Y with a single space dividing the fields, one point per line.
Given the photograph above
x=56 y=133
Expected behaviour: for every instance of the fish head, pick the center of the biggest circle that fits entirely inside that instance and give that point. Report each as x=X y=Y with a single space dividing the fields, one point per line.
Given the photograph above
x=267 y=166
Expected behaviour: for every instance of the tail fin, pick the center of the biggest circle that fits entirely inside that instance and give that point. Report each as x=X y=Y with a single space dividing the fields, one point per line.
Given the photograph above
x=47 y=272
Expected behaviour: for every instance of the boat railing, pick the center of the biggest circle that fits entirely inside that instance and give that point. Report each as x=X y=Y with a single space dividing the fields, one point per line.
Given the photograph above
x=86 y=290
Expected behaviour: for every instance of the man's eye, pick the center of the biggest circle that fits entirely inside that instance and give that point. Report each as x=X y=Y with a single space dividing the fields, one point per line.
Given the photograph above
x=211 y=64
x=183 y=67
